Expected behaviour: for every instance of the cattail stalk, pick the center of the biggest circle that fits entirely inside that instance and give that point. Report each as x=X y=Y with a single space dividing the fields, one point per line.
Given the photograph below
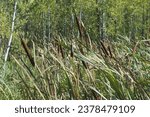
x=27 y=50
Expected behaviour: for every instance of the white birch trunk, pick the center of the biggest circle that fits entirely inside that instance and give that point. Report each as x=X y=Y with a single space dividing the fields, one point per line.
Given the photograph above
x=12 y=30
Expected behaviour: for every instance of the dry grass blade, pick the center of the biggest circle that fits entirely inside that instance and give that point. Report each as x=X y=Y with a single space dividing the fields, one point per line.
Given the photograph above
x=30 y=78
x=110 y=52
x=135 y=47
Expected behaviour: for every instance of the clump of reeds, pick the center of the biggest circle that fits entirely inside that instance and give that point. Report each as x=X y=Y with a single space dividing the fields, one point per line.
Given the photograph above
x=70 y=70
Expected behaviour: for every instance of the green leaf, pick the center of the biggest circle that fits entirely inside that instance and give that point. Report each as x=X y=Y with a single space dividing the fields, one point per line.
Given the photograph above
x=31 y=1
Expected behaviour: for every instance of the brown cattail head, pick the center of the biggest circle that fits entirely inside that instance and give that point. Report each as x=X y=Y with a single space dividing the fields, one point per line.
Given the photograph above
x=28 y=51
x=104 y=49
x=71 y=51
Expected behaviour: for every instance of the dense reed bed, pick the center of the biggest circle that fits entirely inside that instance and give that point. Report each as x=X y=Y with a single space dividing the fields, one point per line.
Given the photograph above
x=73 y=68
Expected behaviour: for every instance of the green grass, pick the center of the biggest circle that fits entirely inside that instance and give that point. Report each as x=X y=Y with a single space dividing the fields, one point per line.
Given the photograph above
x=70 y=69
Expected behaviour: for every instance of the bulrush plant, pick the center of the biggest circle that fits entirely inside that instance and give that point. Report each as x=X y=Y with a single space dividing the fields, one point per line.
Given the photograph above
x=68 y=70
x=28 y=51
x=71 y=69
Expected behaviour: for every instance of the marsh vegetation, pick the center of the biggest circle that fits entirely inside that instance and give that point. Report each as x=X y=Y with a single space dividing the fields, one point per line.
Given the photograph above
x=75 y=49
